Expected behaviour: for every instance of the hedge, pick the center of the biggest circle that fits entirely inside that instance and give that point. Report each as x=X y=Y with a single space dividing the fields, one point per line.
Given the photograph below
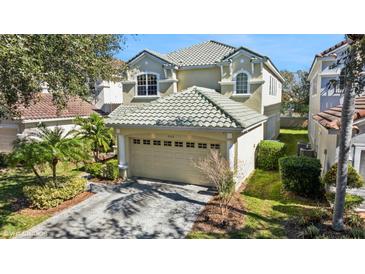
x=268 y=154
x=111 y=170
x=48 y=196
x=3 y=160
x=108 y=170
x=301 y=175
x=95 y=169
x=354 y=179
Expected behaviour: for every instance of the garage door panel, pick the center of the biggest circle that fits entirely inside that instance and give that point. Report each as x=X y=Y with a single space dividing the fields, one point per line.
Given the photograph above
x=168 y=162
x=7 y=137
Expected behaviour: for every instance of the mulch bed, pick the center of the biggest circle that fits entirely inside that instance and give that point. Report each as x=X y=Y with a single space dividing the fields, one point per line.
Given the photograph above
x=51 y=211
x=211 y=219
x=104 y=181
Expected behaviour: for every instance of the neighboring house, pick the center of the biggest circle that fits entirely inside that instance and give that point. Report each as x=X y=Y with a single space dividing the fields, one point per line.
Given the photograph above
x=178 y=106
x=41 y=110
x=325 y=110
x=109 y=95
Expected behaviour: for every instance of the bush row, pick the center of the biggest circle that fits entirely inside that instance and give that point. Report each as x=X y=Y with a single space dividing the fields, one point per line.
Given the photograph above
x=49 y=195
x=108 y=170
x=268 y=154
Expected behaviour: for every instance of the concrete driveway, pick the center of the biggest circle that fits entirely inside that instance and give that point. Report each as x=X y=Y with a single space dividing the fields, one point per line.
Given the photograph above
x=139 y=209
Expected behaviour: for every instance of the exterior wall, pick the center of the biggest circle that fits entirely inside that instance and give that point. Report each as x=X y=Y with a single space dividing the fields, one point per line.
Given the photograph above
x=246 y=148
x=267 y=98
x=272 y=125
x=326 y=148
x=205 y=77
x=109 y=93
x=66 y=125
x=8 y=134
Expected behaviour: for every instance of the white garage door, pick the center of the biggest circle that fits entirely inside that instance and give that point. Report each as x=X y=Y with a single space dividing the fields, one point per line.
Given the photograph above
x=7 y=137
x=169 y=160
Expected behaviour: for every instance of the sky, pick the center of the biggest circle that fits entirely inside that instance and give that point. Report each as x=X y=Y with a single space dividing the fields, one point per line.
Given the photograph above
x=287 y=51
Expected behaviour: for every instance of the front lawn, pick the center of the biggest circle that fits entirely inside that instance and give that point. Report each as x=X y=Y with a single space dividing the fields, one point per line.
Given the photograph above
x=12 y=201
x=267 y=206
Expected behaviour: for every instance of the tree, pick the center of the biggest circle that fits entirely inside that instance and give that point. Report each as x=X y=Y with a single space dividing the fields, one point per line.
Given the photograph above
x=93 y=129
x=30 y=155
x=353 y=79
x=58 y=146
x=66 y=63
x=295 y=91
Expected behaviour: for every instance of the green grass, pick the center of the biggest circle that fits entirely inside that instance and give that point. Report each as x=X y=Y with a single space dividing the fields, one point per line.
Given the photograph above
x=291 y=137
x=12 y=199
x=267 y=206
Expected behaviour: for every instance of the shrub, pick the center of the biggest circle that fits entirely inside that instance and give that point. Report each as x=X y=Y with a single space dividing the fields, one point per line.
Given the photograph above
x=357 y=233
x=351 y=201
x=111 y=170
x=48 y=196
x=301 y=175
x=354 y=179
x=95 y=169
x=355 y=221
x=310 y=232
x=268 y=154
x=3 y=160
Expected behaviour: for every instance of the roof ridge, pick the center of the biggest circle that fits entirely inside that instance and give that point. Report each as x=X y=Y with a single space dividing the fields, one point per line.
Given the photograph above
x=188 y=47
x=221 y=43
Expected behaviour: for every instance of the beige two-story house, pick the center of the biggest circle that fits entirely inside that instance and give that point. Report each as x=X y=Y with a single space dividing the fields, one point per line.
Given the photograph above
x=178 y=106
x=325 y=107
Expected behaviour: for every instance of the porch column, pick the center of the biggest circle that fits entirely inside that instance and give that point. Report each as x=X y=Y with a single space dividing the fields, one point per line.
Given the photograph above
x=357 y=158
x=123 y=166
x=230 y=151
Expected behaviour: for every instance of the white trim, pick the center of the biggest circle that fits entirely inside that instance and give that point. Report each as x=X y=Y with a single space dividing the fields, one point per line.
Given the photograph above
x=248 y=82
x=136 y=85
x=137 y=59
x=26 y=121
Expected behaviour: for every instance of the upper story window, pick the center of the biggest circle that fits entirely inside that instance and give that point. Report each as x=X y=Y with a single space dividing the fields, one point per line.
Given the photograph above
x=242 y=83
x=147 y=84
x=273 y=86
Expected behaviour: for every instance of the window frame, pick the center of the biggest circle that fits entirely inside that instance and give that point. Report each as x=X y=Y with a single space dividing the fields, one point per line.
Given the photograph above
x=146 y=73
x=248 y=93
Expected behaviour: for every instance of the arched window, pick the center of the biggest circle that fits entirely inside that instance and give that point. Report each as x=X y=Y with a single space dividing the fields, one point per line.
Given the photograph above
x=242 y=83
x=147 y=84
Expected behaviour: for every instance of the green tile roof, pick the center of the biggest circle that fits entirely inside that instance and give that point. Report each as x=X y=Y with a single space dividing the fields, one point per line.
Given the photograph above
x=195 y=107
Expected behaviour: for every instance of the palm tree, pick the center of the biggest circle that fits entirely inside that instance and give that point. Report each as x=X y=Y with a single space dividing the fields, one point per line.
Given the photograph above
x=354 y=84
x=59 y=146
x=93 y=130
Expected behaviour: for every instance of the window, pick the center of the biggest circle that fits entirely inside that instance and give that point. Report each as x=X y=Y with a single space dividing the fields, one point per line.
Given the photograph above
x=202 y=145
x=167 y=143
x=242 y=83
x=147 y=84
x=156 y=142
x=214 y=146
x=146 y=142
x=273 y=86
x=178 y=144
x=136 y=141
x=189 y=144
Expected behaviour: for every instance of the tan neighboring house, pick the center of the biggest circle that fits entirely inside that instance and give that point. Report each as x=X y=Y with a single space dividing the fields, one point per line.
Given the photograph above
x=178 y=106
x=325 y=106
x=42 y=110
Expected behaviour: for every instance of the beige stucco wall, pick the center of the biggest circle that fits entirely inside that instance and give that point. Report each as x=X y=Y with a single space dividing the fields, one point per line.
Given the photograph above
x=246 y=147
x=205 y=77
x=7 y=136
x=326 y=148
x=273 y=113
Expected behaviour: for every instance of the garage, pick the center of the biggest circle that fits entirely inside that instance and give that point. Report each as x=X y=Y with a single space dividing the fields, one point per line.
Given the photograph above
x=173 y=160
x=7 y=137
